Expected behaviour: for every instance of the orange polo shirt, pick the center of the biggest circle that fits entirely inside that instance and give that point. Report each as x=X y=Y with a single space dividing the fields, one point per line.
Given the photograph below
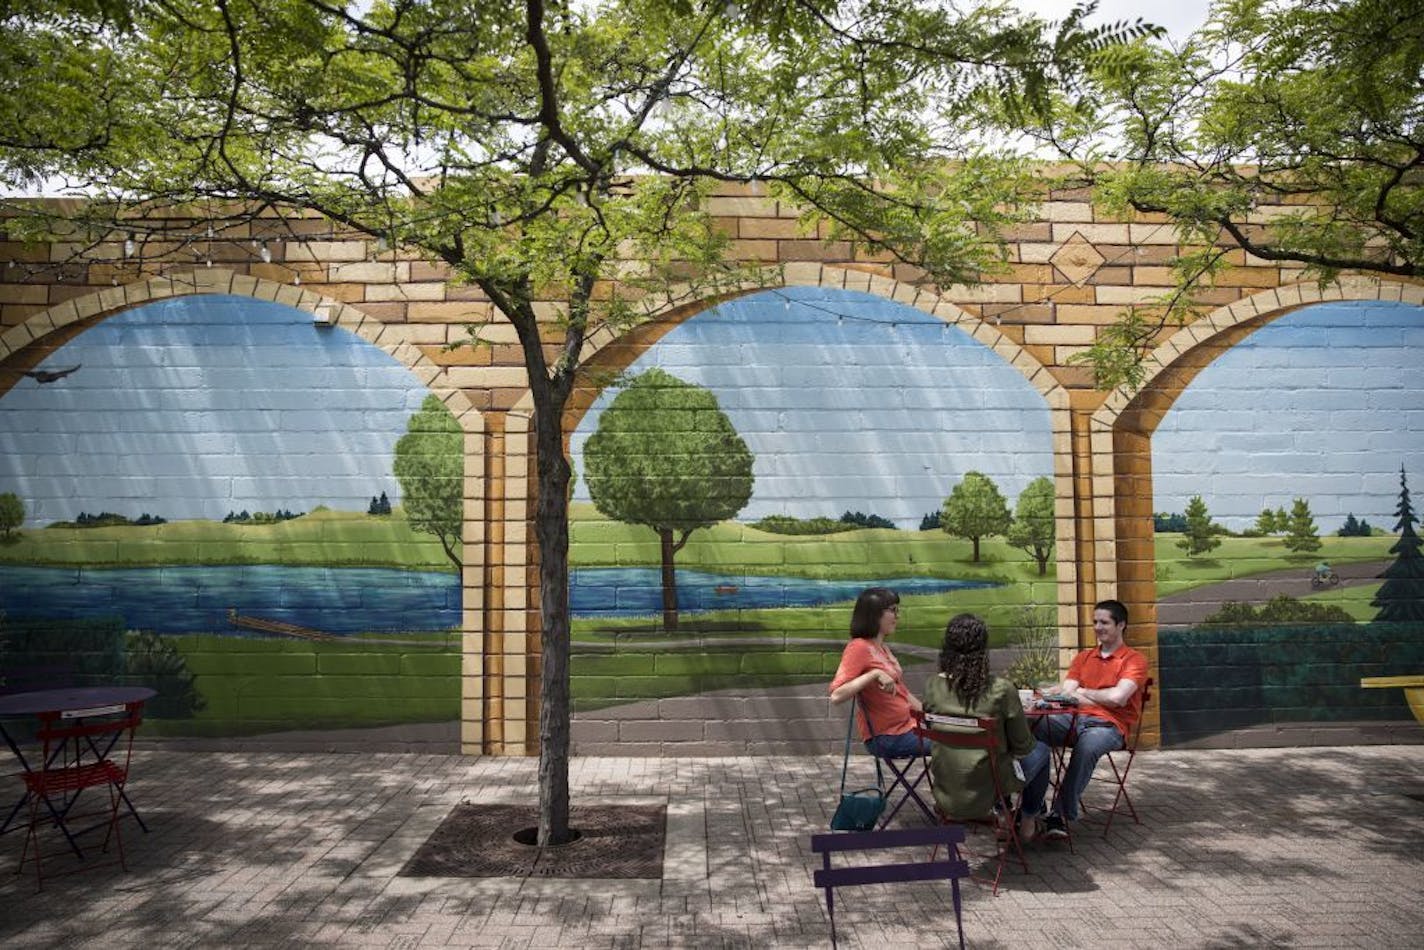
x=1091 y=669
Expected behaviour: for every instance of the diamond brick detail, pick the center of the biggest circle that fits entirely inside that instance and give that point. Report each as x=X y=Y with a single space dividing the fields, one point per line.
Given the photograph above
x=1077 y=259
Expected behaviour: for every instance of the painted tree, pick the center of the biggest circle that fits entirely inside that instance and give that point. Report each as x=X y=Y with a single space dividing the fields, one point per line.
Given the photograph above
x=1401 y=596
x=1266 y=522
x=665 y=455
x=1301 y=533
x=1033 y=528
x=1199 y=536
x=974 y=510
x=430 y=466
x=12 y=512
x=1310 y=106
x=555 y=157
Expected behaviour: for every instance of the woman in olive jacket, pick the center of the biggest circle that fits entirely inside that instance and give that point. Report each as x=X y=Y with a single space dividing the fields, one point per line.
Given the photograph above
x=963 y=787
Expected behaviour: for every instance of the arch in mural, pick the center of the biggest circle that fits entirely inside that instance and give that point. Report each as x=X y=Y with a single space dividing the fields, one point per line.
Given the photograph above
x=29 y=343
x=1123 y=427
x=607 y=355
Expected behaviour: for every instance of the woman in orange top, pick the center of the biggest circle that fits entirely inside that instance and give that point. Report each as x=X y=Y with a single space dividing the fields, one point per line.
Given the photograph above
x=870 y=672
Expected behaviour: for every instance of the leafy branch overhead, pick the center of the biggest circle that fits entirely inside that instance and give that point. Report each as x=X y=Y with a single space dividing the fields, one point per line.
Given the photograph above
x=1282 y=134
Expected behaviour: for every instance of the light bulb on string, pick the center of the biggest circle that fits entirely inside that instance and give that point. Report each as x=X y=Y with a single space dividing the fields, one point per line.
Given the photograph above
x=129 y=246
x=297 y=280
x=265 y=253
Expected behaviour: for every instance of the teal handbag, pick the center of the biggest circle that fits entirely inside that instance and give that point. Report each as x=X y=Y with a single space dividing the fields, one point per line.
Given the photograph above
x=859 y=810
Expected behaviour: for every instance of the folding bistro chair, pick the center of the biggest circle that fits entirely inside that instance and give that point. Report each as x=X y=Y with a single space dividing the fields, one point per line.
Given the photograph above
x=953 y=867
x=1120 y=775
x=79 y=753
x=908 y=774
x=970 y=732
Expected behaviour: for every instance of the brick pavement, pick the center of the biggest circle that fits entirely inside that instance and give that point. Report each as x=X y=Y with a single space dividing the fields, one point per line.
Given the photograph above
x=1244 y=848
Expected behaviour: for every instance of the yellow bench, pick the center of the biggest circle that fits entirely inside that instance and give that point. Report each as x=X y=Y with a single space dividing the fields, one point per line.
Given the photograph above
x=1413 y=687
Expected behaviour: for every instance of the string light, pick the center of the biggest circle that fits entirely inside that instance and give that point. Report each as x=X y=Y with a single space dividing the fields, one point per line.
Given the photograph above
x=265 y=253
x=297 y=280
x=129 y=246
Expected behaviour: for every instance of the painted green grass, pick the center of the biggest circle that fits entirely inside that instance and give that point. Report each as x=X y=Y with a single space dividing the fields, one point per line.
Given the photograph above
x=318 y=539
x=252 y=685
x=1355 y=601
x=732 y=547
x=1246 y=557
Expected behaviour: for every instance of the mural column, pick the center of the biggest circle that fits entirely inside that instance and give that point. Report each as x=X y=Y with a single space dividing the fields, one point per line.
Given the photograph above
x=495 y=711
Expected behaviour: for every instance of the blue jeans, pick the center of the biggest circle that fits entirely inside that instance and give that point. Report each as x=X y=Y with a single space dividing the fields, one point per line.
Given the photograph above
x=1096 y=738
x=903 y=746
x=1035 y=764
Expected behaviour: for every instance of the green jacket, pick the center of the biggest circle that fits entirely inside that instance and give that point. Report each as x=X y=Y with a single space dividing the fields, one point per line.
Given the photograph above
x=963 y=786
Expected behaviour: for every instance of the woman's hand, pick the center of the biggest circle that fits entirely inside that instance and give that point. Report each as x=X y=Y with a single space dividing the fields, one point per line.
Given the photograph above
x=884 y=681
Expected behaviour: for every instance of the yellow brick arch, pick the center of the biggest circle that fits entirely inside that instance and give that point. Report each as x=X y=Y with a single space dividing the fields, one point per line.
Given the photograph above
x=1121 y=429
x=515 y=639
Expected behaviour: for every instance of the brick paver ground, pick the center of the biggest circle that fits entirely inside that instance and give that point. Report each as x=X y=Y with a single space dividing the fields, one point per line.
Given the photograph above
x=1319 y=847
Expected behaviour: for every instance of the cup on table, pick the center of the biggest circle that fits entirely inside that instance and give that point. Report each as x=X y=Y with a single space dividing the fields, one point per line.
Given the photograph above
x=1025 y=698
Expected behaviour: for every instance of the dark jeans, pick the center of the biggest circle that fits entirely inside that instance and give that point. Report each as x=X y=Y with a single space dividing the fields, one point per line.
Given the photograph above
x=1096 y=737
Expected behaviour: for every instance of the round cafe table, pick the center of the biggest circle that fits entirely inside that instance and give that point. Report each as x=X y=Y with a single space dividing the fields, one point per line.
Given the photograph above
x=70 y=702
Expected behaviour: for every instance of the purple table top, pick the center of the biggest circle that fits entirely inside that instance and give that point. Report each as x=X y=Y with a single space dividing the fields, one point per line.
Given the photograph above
x=76 y=697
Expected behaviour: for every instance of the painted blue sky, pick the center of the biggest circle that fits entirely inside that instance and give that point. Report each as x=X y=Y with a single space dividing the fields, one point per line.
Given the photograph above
x=1324 y=403
x=195 y=407
x=853 y=402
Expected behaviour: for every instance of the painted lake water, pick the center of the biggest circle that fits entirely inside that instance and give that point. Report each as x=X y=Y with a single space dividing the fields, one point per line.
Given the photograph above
x=357 y=600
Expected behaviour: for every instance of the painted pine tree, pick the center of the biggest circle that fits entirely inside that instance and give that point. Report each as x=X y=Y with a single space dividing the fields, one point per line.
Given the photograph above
x=1401 y=596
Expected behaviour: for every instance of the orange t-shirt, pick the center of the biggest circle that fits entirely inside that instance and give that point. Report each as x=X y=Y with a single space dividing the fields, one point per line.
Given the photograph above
x=1091 y=669
x=889 y=712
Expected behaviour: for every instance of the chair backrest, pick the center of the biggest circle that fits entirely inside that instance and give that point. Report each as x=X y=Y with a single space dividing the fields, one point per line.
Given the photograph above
x=118 y=721
x=1137 y=726
x=962 y=732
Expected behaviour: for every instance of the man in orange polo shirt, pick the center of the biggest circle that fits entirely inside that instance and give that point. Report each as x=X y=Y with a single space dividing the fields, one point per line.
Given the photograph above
x=1107 y=681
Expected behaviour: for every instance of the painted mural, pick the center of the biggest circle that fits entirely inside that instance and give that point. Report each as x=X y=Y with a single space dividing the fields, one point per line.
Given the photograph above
x=259 y=515
x=1282 y=478
x=747 y=476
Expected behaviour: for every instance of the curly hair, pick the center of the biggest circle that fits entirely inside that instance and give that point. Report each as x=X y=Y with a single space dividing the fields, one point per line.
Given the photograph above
x=964 y=658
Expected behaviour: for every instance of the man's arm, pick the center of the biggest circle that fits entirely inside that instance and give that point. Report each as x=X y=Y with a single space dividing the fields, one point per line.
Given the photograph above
x=1111 y=697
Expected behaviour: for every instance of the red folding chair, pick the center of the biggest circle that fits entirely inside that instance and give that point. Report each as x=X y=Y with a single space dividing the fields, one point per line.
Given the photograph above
x=78 y=754
x=970 y=732
x=1120 y=775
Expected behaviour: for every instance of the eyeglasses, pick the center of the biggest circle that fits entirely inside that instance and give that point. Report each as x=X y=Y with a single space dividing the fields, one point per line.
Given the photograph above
x=894 y=609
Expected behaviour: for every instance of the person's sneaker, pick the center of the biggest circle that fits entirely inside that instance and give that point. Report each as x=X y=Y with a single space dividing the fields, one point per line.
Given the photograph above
x=1055 y=828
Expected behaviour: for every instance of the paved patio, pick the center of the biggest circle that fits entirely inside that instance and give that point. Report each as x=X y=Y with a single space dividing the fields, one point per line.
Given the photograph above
x=1320 y=847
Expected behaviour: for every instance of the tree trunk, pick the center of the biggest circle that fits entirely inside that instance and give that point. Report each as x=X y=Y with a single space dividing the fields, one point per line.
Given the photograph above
x=669 y=552
x=975 y=539
x=551 y=529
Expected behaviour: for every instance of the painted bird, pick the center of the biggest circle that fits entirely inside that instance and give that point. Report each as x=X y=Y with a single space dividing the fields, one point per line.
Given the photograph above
x=43 y=376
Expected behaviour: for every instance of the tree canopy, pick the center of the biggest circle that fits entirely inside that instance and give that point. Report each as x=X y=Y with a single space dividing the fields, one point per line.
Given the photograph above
x=1291 y=130
x=665 y=455
x=975 y=509
x=430 y=466
x=1198 y=536
x=1033 y=528
x=1401 y=596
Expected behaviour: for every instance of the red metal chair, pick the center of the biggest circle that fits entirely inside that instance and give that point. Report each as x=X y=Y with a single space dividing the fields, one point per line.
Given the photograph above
x=969 y=732
x=78 y=754
x=1120 y=775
